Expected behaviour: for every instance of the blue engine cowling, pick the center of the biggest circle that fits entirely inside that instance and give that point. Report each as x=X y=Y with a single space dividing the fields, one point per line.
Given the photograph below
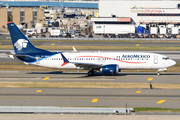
x=110 y=69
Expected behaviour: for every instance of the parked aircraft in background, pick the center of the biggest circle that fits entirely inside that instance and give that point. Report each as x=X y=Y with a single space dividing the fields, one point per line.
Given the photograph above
x=107 y=63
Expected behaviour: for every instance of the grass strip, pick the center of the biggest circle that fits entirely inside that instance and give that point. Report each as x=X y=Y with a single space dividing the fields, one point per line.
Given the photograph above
x=151 y=109
x=12 y=63
x=85 y=85
x=169 y=48
x=23 y=67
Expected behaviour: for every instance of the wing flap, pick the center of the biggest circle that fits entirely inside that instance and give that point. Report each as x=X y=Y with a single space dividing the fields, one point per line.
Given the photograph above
x=87 y=65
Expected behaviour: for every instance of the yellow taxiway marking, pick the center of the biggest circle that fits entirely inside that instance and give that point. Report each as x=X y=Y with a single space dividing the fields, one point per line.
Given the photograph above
x=94 y=100
x=160 y=102
x=137 y=44
x=138 y=91
x=52 y=44
x=150 y=79
x=46 y=78
x=38 y=90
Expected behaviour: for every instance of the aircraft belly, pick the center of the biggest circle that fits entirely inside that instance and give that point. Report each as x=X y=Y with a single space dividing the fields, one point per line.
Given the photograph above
x=135 y=66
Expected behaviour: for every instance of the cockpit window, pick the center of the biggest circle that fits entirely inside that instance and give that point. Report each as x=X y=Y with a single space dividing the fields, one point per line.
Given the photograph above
x=165 y=58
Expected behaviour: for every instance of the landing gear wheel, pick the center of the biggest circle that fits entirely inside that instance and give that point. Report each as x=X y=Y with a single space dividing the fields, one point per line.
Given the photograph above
x=158 y=73
x=90 y=73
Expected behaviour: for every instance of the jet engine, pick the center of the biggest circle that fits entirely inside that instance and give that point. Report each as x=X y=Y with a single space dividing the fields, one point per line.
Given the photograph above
x=110 y=69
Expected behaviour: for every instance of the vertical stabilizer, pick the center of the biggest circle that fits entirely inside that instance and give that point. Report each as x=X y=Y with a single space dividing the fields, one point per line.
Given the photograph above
x=20 y=43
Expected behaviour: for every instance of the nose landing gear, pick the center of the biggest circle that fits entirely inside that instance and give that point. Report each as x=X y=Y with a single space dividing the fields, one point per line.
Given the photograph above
x=158 y=73
x=159 y=70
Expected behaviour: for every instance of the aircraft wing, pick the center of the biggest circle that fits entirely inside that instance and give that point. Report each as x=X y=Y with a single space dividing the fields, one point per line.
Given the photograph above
x=15 y=56
x=87 y=65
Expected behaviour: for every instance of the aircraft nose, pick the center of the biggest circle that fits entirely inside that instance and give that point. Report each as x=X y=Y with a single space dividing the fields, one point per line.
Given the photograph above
x=173 y=62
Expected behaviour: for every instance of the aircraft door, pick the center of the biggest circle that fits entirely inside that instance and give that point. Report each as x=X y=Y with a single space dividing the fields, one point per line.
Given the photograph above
x=155 y=59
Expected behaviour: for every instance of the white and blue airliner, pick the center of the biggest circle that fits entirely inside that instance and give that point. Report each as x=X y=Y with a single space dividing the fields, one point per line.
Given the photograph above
x=107 y=62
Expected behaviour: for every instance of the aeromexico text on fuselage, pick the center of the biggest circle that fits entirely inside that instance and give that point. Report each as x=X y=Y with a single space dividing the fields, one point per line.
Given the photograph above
x=136 y=56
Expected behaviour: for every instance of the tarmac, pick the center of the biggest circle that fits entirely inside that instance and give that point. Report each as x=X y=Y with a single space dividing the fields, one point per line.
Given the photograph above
x=107 y=43
x=75 y=76
x=160 y=98
x=163 y=98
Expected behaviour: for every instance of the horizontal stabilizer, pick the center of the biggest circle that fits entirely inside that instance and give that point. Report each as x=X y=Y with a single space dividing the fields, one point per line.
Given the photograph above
x=18 y=55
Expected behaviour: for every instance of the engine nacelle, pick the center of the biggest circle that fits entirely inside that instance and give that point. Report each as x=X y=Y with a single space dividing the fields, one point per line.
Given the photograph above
x=110 y=69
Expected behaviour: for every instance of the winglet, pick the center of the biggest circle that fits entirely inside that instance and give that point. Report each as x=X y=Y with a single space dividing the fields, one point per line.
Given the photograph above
x=74 y=50
x=64 y=59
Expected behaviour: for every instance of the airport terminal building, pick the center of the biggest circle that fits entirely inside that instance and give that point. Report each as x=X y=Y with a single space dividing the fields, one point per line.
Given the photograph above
x=138 y=12
x=142 y=11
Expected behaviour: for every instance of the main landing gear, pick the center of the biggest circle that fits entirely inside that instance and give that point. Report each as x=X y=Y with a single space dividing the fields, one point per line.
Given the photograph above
x=159 y=70
x=90 y=73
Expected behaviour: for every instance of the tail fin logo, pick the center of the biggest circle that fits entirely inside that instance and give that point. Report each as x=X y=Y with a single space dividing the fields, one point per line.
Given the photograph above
x=21 y=43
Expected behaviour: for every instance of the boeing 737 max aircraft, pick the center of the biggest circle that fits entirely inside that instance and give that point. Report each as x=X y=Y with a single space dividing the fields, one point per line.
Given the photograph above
x=107 y=63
